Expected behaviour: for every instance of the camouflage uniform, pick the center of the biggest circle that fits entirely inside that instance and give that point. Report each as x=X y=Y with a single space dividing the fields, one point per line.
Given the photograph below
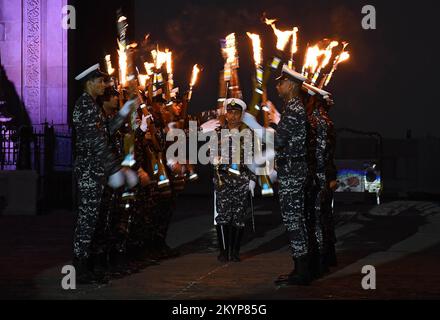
x=95 y=161
x=232 y=191
x=315 y=149
x=290 y=144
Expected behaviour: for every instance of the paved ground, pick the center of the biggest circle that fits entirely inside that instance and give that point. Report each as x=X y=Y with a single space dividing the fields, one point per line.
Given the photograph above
x=400 y=238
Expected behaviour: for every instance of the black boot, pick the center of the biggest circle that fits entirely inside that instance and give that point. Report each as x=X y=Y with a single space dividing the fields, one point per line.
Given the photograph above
x=223 y=242
x=300 y=275
x=237 y=235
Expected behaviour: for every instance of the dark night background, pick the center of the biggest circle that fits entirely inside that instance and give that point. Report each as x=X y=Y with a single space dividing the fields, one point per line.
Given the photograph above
x=387 y=85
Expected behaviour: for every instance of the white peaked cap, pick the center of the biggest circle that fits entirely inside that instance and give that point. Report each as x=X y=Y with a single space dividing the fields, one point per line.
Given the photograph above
x=233 y=101
x=286 y=71
x=88 y=72
x=312 y=90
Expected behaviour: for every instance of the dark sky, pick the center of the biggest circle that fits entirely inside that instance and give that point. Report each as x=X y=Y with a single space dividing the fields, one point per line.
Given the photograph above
x=387 y=85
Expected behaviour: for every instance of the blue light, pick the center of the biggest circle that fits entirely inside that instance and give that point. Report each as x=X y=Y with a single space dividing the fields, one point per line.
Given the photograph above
x=162 y=177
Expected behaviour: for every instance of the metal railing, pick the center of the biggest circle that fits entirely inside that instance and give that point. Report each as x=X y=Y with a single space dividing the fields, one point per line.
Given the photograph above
x=8 y=148
x=46 y=149
x=43 y=148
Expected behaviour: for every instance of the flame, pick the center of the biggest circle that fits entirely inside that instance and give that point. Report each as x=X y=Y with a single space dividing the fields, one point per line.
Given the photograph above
x=343 y=56
x=142 y=78
x=270 y=21
x=159 y=57
x=256 y=45
x=294 y=41
x=230 y=50
x=132 y=45
x=122 y=54
x=121 y=19
x=282 y=36
x=194 y=76
x=149 y=68
x=108 y=61
x=311 y=60
x=169 y=61
x=328 y=53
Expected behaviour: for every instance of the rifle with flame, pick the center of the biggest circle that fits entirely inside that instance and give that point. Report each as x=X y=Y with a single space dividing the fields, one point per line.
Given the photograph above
x=260 y=83
x=189 y=169
x=130 y=82
x=282 y=40
x=343 y=56
x=126 y=75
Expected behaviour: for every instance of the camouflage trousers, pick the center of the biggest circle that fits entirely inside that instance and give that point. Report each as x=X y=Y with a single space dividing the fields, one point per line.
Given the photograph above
x=329 y=236
x=292 y=177
x=232 y=199
x=314 y=194
x=321 y=214
x=90 y=182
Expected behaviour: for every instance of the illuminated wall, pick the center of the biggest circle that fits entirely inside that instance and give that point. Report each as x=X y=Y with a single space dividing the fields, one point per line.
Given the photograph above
x=33 y=48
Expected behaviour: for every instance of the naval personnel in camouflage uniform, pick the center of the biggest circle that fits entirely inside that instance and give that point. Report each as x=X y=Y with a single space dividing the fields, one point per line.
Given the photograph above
x=233 y=183
x=321 y=218
x=291 y=165
x=316 y=144
x=95 y=163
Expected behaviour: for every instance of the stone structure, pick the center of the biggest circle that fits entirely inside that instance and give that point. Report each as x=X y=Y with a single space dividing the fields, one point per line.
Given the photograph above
x=33 y=48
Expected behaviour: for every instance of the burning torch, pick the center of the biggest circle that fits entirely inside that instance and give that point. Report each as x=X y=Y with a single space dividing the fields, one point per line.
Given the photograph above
x=230 y=53
x=327 y=56
x=194 y=76
x=254 y=107
x=343 y=56
x=108 y=63
x=311 y=61
x=282 y=40
x=294 y=48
